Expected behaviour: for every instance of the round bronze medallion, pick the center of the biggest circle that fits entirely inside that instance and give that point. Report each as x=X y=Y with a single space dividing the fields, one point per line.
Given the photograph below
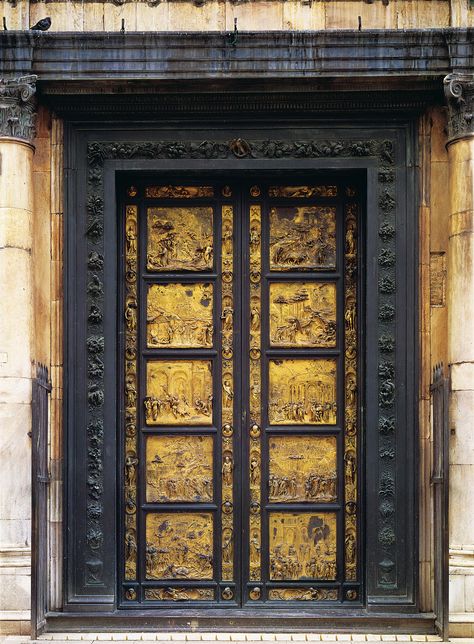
x=351 y=595
x=255 y=191
x=132 y=191
x=226 y=191
x=255 y=593
x=227 y=593
x=255 y=431
x=227 y=430
x=131 y=594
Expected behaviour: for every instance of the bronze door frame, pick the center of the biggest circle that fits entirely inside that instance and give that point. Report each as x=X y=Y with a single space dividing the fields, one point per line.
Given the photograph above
x=351 y=591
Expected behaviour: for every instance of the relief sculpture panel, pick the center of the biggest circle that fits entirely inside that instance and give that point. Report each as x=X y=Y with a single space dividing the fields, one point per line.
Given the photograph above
x=179 y=468
x=179 y=545
x=302 y=238
x=179 y=315
x=180 y=239
x=302 y=392
x=302 y=546
x=178 y=392
x=303 y=314
x=302 y=469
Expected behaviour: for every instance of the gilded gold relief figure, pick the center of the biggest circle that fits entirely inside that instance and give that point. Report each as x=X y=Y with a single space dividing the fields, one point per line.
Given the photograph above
x=227 y=401
x=179 y=468
x=179 y=545
x=303 y=314
x=255 y=377
x=130 y=390
x=180 y=239
x=350 y=392
x=180 y=315
x=303 y=594
x=179 y=594
x=306 y=192
x=302 y=546
x=179 y=392
x=302 y=469
x=178 y=192
x=302 y=392
x=302 y=238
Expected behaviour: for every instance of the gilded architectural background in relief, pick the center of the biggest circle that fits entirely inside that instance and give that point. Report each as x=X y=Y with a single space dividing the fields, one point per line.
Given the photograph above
x=180 y=315
x=180 y=239
x=178 y=392
x=302 y=237
x=303 y=314
x=302 y=392
x=302 y=546
x=302 y=468
x=179 y=468
x=179 y=545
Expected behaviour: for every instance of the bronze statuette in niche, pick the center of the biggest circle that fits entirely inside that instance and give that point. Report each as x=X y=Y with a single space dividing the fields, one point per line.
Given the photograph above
x=179 y=468
x=180 y=239
x=302 y=392
x=305 y=192
x=179 y=594
x=303 y=314
x=179 y=545
x=179 y=392
x=180 y=315
x=302 y=469
x=178 y=192
x=302 y=546
x=302 y=238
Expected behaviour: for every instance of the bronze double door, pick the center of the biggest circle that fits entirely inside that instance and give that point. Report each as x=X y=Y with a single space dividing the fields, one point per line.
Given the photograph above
x=240 y=444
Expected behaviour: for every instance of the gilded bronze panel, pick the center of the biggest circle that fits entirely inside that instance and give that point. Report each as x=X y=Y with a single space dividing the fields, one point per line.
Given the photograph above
x=131 y=388
x=255 y=388
x=180 y=239
x=303 y=314
x=303 y=594
x=179 y=594
x=302 y=238
x=227 y=402
x=302 y=546
x=178 y=392
x=302 y=392
x=179 y=545
x=180 y=315
x=305 y=192
x=178 y=192
x=302 y=469
x=179 y=468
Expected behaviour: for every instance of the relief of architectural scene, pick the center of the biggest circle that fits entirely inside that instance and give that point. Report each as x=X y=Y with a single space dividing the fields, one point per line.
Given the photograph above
x=179 y=468
x=180 y=315
x=302 y=469
x=303 y=314
x=178 y=392
x=180 y=239
x=302 y=546
x=302 y=392
x=179 y=545
x=302 y=238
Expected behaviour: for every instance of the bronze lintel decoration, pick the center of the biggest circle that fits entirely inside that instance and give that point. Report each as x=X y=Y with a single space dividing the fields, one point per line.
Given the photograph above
x=178 y=192
x=302 y=192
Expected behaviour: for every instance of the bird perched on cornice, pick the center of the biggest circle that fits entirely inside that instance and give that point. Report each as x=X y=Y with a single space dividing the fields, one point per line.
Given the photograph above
x=42 y=25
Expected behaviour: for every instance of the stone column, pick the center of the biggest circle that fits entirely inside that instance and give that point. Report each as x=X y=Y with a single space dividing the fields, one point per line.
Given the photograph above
x=459 y=90
x=16 y=347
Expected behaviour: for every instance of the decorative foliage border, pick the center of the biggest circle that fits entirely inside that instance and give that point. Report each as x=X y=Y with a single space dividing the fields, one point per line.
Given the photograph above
x=384 y=150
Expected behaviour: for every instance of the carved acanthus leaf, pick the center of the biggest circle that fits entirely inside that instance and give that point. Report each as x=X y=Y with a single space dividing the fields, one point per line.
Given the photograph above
x=17 y=107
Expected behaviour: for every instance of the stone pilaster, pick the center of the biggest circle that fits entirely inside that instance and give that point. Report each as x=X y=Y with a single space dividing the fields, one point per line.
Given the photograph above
x=459 y=90
x=16 y=344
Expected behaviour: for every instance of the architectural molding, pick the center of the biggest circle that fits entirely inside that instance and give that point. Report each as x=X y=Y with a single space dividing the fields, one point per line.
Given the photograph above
x=15 y=557
x=17 y=107
x=459 y=92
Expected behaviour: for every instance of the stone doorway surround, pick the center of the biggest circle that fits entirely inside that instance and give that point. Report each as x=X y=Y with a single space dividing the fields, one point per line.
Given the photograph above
x=31 y=241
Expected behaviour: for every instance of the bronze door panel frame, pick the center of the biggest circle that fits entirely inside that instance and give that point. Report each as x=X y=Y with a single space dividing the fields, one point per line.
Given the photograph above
x=231 y=467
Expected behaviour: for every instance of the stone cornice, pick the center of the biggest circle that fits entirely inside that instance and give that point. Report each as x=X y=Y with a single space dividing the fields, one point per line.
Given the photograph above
x=17 y=107
x=459 y=92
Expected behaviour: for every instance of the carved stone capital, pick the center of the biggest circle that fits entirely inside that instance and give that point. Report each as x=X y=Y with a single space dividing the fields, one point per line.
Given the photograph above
x=17 y=107
x=459 y=92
